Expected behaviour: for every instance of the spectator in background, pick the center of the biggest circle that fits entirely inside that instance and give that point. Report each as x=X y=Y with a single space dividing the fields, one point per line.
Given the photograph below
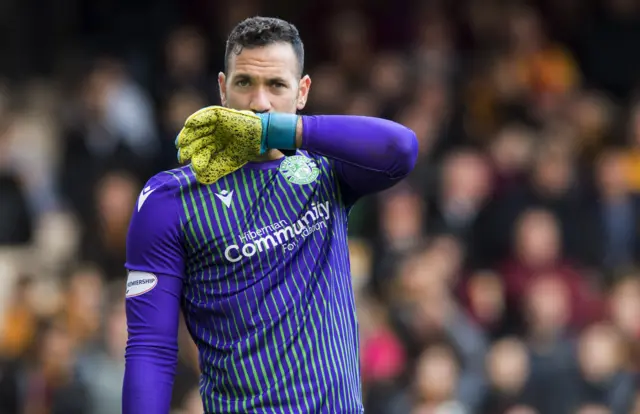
x=545 y=69
x=102 y=364
x=424 y=311
x=127 y=111
x=429 y=133
x=362 y=103
x=104 y=241
x=511 y=155
x=606 y=381
x=548 y=336
x=624 y=309
x=383 y=357
x=465 y=186
x=617 y=215
x=552 y=186
x=351 y=43
x=83 y=303
x=401 y=223
x=591 y=115
x=522 y=409
x=186 y=66
x=112 y=127
x=485 y=20
x=16 y=227
x=388 y=80
x=51 y=382
x=434 y=50
x=19 y=322
x=483 y=293
x=538 y=255
x=593 y=409
x=329 y=98
x=32 y=146
x=508 y=368
x=433 y=97
x=436 y=381
x=16 y=223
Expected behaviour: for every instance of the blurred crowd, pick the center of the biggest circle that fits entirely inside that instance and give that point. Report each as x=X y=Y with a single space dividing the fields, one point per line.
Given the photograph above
x=500 y=278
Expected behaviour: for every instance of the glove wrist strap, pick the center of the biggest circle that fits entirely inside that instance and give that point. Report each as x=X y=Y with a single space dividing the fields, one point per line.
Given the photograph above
x=279 y=131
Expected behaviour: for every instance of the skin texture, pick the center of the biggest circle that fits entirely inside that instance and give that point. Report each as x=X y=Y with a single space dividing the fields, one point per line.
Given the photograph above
x=265 y=79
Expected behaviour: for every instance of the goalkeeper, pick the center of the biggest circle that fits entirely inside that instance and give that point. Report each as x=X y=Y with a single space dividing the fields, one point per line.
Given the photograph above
x=250 y=241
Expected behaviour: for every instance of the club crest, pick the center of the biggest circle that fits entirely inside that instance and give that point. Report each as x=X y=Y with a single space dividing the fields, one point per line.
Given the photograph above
x=299 y=169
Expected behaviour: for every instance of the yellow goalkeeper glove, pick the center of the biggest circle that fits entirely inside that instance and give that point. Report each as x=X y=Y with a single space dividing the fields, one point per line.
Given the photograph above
x=218 y=140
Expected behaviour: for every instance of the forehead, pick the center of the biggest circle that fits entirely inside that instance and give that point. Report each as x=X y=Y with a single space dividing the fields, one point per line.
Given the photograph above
x=275 y=60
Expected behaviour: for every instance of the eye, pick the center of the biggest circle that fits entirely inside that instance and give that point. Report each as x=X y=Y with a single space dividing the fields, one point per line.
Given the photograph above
x=279 y=85
x=243 y=83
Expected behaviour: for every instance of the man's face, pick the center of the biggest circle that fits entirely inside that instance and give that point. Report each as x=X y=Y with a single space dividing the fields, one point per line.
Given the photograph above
x=264 y=79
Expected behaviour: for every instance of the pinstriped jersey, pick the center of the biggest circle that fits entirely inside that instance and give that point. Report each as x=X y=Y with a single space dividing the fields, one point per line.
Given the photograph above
x=267 y=294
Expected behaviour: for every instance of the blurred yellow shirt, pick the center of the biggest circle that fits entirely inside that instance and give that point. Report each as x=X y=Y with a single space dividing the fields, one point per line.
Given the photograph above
x=632 y=168
x=551 y=70
x=19 y=324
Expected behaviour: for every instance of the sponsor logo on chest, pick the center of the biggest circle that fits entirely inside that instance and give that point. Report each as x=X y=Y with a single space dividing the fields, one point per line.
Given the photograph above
x=279 y=234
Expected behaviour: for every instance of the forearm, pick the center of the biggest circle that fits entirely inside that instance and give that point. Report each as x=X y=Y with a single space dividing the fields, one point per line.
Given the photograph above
x=371 y=154
x=371 y=143
x=148 y=381
x=152 y=349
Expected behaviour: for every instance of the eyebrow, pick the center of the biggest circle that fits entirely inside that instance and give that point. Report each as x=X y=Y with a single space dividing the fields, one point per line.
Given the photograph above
x=269 y=80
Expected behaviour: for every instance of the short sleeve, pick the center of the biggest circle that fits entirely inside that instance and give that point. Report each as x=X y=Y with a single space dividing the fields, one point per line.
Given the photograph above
x=154 y=241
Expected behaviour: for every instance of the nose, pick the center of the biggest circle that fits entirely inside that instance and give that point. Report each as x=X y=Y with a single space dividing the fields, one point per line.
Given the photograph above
x=260 y=101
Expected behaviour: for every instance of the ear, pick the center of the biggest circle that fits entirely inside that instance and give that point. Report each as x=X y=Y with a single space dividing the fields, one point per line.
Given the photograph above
x=222 y=84
x=303 y=92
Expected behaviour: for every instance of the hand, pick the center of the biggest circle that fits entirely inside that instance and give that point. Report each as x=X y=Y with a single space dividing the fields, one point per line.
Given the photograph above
x=219 y=141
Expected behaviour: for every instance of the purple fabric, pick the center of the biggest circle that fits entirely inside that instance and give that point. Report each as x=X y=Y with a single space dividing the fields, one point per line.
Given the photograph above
x=178 y=225
x=154 y=246
x=370 y=154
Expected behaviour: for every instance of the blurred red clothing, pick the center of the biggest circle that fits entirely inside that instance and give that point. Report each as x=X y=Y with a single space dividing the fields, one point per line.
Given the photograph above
x=585 y=305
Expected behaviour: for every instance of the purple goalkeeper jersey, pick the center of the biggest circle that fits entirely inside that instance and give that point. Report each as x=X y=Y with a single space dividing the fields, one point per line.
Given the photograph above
x=258 y=263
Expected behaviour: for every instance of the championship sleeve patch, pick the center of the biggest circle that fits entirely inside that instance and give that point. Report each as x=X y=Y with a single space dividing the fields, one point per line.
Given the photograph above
x=139 y=283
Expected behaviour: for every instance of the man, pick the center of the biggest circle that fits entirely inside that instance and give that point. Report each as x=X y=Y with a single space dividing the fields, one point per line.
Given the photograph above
x=258 y=260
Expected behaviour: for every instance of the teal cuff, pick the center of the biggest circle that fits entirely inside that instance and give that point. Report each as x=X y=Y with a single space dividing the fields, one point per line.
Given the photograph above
x=278 y=131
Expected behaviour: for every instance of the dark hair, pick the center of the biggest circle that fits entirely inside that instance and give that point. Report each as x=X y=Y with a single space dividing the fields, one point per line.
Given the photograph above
x=262 y=31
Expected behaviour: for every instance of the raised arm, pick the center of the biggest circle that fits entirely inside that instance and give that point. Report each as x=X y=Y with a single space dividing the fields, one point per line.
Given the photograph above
x=369 y=154
x=155 y=262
